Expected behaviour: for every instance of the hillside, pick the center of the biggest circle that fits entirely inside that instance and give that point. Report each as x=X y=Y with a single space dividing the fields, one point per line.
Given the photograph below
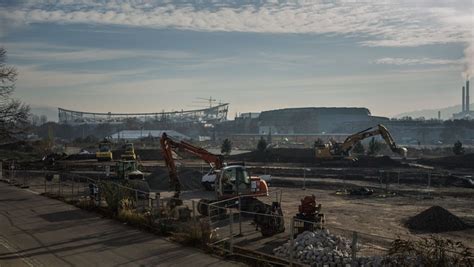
x=446 y=113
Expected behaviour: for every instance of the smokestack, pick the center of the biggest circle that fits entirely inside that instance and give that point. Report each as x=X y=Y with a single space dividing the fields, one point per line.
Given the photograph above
x=467 y=96
x=463 y=99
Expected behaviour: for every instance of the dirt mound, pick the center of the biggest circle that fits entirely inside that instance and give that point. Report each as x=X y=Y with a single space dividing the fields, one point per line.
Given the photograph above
x=451 y=162
x=307 y=155
x=81 y=156
x=20 y=146
x=384 y=161
x=436 y=220
x=290 y=155
x=190 y=179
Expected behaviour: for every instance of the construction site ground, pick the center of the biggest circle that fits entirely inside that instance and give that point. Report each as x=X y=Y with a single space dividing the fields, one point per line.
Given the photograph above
x=378 y=219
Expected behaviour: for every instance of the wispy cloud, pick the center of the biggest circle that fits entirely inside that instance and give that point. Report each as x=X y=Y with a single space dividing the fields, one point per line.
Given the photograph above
x=379 y=23
x=43 y=52
x=416 y=61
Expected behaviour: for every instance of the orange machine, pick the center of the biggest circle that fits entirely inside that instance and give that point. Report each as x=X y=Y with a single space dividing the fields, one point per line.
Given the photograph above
x=231 y=181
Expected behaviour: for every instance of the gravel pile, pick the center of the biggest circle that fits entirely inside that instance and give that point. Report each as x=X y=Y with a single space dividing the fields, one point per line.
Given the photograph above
x=435 y=220
x=190 y=179
x=321 y=248
x=318 y=247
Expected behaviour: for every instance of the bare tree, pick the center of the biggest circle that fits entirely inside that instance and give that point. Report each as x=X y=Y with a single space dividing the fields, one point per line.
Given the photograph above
x=13 y=114
x=35 y=119
x=43 y=119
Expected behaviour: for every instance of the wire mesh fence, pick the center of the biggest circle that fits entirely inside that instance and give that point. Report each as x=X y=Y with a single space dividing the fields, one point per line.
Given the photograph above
x=232 y=225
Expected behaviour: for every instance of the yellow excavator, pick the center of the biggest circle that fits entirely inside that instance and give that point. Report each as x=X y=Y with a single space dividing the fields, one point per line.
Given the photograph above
x=334 y=150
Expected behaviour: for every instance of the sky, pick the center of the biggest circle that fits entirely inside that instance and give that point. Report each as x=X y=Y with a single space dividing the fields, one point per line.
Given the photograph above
x=150 y=56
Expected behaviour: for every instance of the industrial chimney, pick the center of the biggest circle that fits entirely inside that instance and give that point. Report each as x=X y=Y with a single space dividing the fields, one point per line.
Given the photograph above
x=463 y=99
x=467 y=96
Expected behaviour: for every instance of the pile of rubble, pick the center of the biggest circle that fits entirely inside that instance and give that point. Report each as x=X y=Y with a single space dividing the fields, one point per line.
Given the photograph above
x=190 y=179
x=319 y=247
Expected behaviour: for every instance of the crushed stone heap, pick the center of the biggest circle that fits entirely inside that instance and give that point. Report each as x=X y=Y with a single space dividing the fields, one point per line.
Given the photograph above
x=321 y=248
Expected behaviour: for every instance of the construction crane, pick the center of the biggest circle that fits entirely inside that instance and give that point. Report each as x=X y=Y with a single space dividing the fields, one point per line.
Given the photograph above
x=334 y=150
x=231 y=181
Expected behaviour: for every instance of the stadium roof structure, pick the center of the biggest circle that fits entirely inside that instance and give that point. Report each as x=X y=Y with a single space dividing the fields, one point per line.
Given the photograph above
x=209 y=115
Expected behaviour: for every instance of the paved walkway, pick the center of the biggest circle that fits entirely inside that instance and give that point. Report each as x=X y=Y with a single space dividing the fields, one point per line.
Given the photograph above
x=38 y=231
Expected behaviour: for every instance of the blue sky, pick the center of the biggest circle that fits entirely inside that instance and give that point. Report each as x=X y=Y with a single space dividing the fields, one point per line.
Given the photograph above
x=146 y=56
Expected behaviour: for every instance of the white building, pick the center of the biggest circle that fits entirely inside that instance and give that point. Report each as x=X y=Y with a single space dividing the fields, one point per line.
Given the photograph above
x=137 y=134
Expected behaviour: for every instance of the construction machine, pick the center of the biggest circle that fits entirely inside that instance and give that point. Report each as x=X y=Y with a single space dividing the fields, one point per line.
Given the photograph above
x=128 y=170
x=231 y=181
x=309 y=216
x=128 y=173
x=335 y=150
x=129 y=153
x=104 y=153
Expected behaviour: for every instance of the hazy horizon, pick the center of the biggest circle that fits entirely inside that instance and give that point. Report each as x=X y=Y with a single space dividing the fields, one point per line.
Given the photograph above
x=147 y=56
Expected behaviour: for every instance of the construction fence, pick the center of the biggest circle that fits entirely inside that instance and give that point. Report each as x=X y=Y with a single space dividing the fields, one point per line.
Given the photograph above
x=226 y=227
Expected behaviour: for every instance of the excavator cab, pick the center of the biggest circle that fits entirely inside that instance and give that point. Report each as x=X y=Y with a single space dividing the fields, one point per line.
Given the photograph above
x=235 y=180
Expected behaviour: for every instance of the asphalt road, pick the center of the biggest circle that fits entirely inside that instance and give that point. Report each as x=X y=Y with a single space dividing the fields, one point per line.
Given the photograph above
x=38 y=231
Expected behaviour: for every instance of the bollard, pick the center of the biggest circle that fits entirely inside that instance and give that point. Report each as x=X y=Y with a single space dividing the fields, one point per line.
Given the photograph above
x=209 y=212
x=429 y=180
x=292 y=240
x=354 y=249
x=240 y=217
x=231 y=221
x=194 y=218
x=158 y=205
x=136 y=199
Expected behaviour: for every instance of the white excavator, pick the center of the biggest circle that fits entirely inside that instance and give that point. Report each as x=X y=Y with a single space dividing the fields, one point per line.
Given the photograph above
x=231 y=181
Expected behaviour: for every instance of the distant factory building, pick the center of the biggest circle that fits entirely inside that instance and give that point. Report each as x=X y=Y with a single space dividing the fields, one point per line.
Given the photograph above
x=305 y=121
x=466 y=113
x=313 y=120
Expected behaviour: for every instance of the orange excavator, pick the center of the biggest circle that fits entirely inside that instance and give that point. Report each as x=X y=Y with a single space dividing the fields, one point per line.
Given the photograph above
x=232 y=180
x=169 y=145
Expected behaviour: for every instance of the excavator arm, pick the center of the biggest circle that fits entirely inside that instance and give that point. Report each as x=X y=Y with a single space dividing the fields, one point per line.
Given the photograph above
x=168 y=145
x=373 y=131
